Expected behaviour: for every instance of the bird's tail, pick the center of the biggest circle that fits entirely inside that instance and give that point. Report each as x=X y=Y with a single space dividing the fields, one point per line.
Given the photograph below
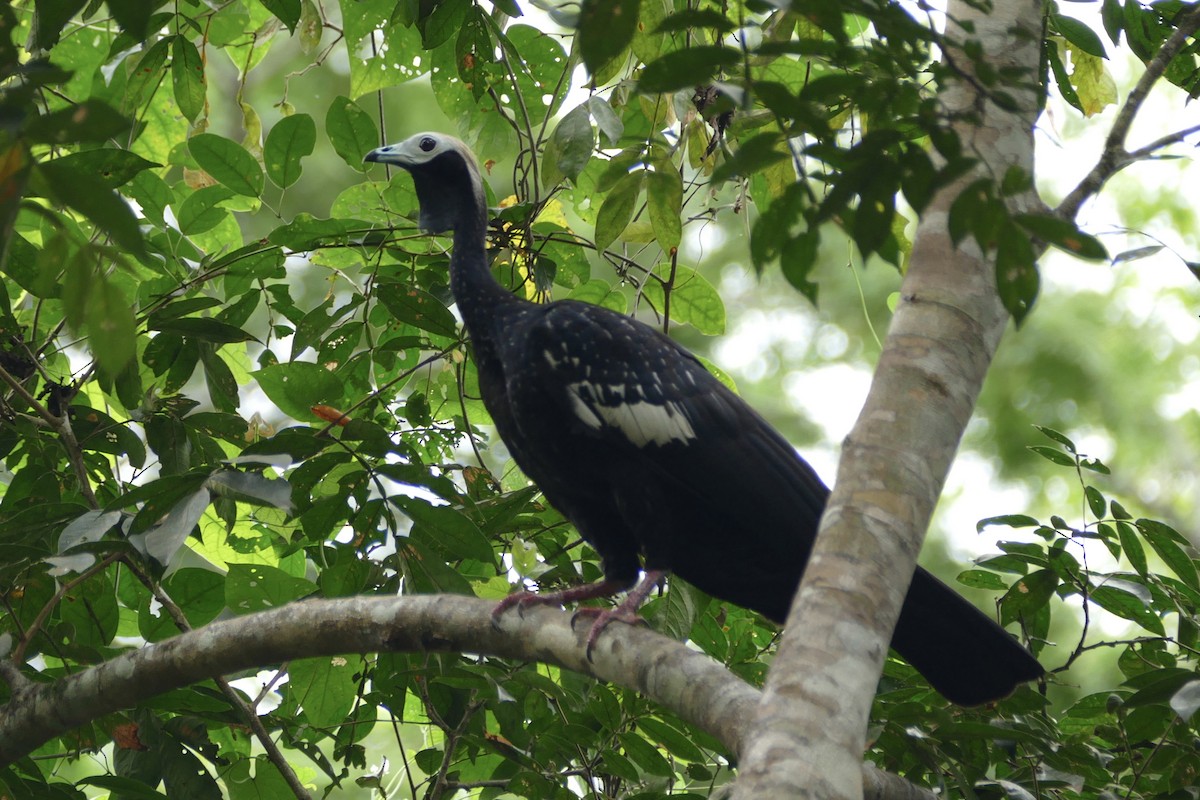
x=960 y=650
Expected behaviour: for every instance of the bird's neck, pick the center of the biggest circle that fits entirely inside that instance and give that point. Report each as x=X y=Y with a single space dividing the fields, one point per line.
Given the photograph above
x=479 y=296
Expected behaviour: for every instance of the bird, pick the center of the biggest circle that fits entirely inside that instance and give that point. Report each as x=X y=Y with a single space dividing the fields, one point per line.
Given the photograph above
x=657 y=464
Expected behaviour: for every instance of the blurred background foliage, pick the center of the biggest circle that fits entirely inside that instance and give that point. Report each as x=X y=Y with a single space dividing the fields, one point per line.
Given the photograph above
x=201 y=277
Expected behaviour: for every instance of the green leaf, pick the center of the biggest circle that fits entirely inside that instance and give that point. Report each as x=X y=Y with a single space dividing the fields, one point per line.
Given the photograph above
x=1063 y=234
x=291 y=139
x=1168 y=544
x=146 y=76
x=98 y=432
x=306 y=232
x=446 y=529
x=200 y=593
x=664 y=204
x=227 y=162
x=600 y=293
x=133 y=16
x=1061 y=79
x=202 y=211
x=287 y=11
x=617 y=209
x=606 y=28
x=351 y=131
x=92 y=198
x=1011 y=520
x=276 y=492
x=644 y=754
x=417 y=307
x=1054 y=435
x=473 y=52
x=676 y=742
x=111 y=166
x=1131 y=546
x=325 y=688
x=1112 y=14
x=1114 y=599
x=982 y=579
x=696 y=18
x=49 y=19
x=1079 y=35
x=257 y=587
x=1096 y=502
x=688 y=67
x=797 y=260
x=1186 y=701
x=606 y=119
x=444 y=21
x=570 y=146
x=164 y=540
x=1053 y=456
x=111 y=326
x=218 y=377
x=296 y=387
x=204 y=329
x=1028 y=595
x=188 y=78
x=693 y=300
x=753 y=155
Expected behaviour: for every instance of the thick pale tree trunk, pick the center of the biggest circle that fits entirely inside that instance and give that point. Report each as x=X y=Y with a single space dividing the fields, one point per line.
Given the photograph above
x=812 y=719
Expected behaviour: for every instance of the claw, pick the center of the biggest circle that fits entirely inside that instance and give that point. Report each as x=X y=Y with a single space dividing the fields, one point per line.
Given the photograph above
x=625 y=611
x=603 y=616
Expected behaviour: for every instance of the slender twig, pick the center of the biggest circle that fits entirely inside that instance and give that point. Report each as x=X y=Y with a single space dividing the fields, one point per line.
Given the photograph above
x=50 y=605
x=63 y=427
x=1159 y=144
x=1115 y=157
x=248 y=714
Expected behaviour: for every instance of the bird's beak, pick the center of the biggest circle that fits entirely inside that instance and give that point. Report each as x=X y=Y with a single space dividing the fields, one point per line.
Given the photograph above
x=374 y=155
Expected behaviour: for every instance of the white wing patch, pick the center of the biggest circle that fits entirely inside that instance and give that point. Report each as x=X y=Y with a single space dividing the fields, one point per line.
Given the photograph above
x=642 y=422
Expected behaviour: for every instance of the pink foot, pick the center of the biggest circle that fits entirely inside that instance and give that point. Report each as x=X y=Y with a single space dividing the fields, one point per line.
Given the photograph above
x=524 y=599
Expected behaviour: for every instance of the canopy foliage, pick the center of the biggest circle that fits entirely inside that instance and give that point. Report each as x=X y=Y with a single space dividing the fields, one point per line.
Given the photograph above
x=232 y=378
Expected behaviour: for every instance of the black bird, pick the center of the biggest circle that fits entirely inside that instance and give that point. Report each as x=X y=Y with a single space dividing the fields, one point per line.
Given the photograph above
x=654 y=460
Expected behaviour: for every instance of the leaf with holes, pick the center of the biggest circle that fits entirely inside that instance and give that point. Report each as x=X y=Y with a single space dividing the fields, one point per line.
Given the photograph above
x=258 y=587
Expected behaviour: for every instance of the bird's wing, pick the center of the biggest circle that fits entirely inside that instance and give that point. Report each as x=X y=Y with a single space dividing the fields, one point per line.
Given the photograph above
x=655 y=413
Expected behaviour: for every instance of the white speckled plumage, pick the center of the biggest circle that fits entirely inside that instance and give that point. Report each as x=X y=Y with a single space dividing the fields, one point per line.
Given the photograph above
x=653 y=459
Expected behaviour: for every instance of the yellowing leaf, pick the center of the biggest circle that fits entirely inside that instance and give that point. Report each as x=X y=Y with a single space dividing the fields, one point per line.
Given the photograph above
x=1093 y=84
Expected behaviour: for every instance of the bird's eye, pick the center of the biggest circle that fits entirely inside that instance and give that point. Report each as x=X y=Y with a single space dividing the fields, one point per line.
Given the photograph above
x=428 y=144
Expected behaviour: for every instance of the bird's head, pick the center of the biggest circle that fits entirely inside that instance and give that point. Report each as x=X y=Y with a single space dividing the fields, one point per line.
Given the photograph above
x=446 y=177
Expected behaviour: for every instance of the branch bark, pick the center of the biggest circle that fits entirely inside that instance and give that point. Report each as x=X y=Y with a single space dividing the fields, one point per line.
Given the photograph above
x=1115 y=157
x=809 y=730
x=691 y=684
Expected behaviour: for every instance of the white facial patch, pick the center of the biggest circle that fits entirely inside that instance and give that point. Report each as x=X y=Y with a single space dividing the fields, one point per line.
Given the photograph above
x=641 y=421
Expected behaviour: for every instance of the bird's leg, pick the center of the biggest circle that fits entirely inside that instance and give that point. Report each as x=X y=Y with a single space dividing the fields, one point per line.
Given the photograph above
x=589 y=591
x=626 y=611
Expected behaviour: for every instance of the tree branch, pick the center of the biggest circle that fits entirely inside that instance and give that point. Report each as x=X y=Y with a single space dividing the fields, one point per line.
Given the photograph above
x=810 y=727
x=694 y=686
x=1115 y=157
